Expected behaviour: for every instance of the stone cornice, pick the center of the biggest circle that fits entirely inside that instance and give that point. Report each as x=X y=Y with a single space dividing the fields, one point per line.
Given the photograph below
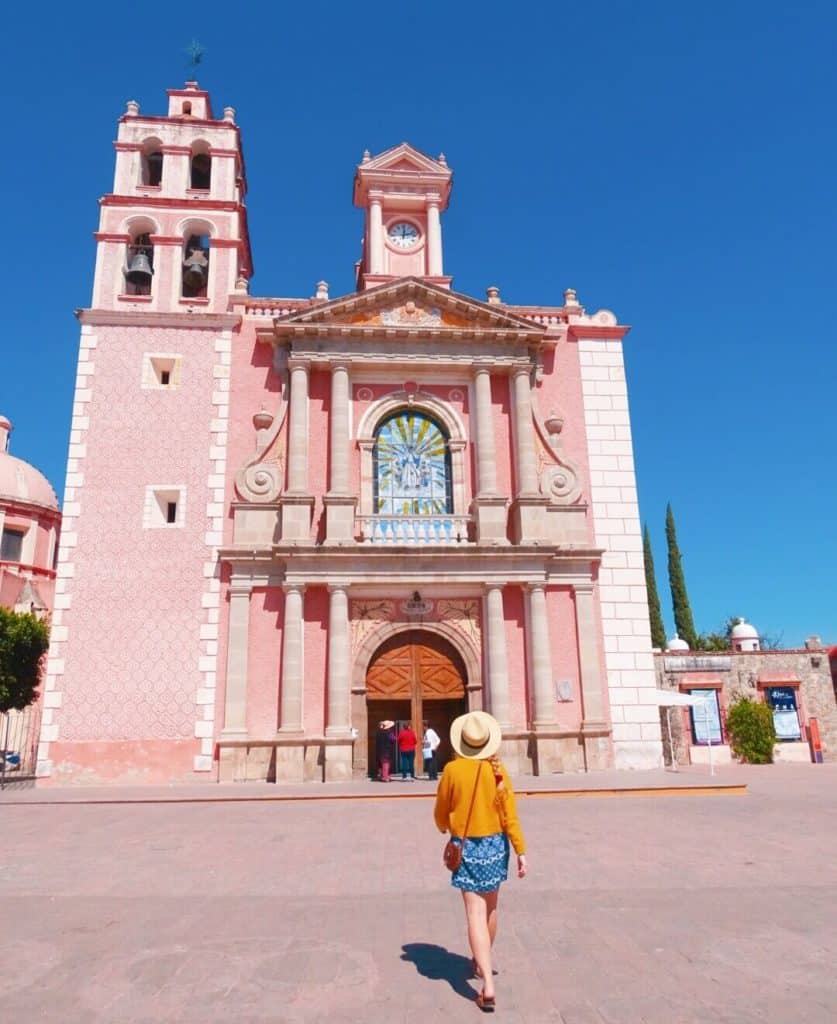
x=143 y=318
x=366 y=564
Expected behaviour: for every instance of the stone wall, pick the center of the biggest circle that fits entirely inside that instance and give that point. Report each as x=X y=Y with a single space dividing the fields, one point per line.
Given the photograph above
x=740 y=674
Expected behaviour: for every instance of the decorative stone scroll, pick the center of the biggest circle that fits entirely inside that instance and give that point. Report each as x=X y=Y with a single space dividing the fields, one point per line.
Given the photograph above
x=558 y=476
x=259 y=480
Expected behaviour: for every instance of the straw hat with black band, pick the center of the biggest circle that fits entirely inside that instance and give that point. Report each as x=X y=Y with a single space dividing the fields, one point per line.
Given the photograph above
x=476 y=735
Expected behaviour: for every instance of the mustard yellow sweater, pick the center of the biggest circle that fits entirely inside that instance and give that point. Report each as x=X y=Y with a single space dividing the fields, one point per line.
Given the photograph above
x=453 y=798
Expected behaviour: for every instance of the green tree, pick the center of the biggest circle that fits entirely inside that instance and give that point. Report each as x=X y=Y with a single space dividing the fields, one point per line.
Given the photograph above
x=719 y=639
x=751 y=731
x=683 y=621
x=658 y=633
x=24 y=639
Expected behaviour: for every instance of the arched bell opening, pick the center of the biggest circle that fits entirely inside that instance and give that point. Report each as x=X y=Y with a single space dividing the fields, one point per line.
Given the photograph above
x=139 y=265
x=415 y=676
x=200 y=167
x=195 y=268
x=151 y=163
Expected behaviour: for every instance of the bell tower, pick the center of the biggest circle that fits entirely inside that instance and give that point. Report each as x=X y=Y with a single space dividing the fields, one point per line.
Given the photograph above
x=403 y=193
x=173 y=232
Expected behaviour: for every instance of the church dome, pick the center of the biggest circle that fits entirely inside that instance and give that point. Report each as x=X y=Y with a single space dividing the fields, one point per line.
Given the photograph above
x=744 y=631
x=18 y=480
x=677 y=644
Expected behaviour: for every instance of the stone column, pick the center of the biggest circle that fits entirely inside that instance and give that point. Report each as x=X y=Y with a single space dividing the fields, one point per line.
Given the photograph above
x=594 y=726
x=498 y=666
x=290 y=713
x=298 y=429
x=434 y=238
x=339 y=503
x=540 y=659
x=489 y=506
x=528 y=514
x=376 y=235
x=297 y=504
x=524 y=433
x=238 y=634
x=486 y=456
x=339 y=434
x=339 y=717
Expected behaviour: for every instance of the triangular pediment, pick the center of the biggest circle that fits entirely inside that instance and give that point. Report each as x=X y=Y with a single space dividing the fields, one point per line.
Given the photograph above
x=409 y=304
x=403 y=157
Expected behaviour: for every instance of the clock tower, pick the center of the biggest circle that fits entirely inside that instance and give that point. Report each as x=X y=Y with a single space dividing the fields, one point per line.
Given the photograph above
x=403 y=192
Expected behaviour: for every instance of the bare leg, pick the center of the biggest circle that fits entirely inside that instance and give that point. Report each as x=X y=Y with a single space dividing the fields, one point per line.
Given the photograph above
x=491 y=906
x=479 y=938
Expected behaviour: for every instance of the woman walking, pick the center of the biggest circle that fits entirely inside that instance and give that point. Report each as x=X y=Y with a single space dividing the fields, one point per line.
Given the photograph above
x=475 y=803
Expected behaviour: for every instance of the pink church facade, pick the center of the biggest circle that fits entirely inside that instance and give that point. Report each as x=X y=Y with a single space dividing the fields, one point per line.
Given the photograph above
x=288 y=519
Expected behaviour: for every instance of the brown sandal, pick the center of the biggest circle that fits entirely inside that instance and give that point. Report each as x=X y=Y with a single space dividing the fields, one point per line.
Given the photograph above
x=486 y=1003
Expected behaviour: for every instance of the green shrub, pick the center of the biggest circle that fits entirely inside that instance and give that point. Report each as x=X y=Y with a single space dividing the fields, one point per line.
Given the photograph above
x=751 y=731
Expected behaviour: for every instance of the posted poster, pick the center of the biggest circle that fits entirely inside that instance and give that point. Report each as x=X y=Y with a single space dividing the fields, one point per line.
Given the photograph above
x=706 y=718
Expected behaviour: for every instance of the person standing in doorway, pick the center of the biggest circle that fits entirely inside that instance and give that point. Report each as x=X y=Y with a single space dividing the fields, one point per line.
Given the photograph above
x=429 y=744
x=385 y=748
x=407 y=743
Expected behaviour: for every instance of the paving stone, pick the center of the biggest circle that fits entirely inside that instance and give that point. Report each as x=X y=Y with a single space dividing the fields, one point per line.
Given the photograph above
x=666 y=910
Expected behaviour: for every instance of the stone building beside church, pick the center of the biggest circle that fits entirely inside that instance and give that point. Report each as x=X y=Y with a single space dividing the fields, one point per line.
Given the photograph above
x=289 y=518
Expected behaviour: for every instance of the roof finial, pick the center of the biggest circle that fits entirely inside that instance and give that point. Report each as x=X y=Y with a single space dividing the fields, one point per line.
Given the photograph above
x=493 y=295
x=367 y=156
x=132 y=108
x=322 y=290
x=442 y=160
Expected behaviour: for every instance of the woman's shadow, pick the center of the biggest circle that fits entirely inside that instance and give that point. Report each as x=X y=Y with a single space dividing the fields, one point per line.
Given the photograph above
x=438 y=964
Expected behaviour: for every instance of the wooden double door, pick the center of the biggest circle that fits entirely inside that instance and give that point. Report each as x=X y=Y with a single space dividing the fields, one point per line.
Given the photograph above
x=413 y=677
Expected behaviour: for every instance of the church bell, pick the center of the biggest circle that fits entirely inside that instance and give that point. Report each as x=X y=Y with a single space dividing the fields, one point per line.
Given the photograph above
x=139 y=270
x=194 y=270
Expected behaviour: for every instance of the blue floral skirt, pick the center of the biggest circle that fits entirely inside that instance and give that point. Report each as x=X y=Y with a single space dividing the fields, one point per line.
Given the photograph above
x=485 y=863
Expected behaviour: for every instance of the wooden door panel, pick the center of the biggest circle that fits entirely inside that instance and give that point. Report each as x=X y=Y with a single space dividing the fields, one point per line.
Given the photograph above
x=416 y=664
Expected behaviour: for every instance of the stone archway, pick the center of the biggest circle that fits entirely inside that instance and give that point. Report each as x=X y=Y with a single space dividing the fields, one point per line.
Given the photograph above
x=415 y=675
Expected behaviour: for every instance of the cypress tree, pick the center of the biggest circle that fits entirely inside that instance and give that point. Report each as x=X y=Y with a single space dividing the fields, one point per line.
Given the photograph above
x=658 y=633
x=683 y=621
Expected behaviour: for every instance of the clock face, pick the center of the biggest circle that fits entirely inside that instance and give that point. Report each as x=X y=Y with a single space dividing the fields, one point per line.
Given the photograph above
x=403 y=235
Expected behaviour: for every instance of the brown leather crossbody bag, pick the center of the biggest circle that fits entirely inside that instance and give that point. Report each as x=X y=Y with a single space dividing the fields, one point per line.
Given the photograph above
x=452 y=854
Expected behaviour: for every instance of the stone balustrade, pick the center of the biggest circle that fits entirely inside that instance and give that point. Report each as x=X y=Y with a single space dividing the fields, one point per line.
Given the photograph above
x=417 y=530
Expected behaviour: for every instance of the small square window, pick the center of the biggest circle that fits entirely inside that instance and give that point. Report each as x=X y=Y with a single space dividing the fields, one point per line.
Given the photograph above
x=164 y=506
x=160 y=370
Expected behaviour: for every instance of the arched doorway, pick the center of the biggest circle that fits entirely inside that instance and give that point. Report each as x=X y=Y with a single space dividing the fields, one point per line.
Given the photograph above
x=413 y=676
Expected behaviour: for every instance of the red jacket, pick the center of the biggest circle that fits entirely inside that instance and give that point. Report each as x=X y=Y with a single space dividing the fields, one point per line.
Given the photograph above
x=407 y=741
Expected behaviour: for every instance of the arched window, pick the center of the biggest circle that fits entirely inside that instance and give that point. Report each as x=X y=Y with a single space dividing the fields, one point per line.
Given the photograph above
x=201 y=167
x=195 y=274
x=139 y=265
x=151 y=163
x=411 y=466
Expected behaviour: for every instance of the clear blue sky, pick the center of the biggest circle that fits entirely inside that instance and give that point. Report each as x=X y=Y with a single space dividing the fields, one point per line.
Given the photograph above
x=676 y=166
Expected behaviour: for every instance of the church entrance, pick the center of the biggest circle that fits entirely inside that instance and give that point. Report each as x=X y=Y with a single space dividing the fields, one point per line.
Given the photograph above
x=413 y=677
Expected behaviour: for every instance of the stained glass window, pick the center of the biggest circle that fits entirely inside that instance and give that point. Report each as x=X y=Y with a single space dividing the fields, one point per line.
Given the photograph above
x=412 y=467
